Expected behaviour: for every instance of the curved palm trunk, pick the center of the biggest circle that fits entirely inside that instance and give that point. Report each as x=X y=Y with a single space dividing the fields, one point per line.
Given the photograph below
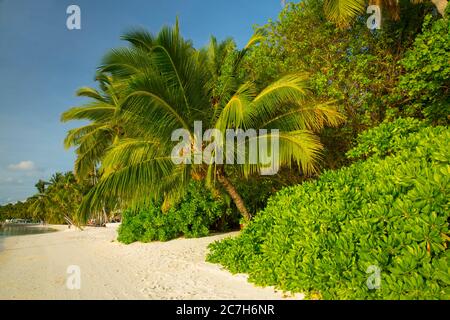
x=105 y=216
x=238 y=201
x=440 y=5
x=72 y=223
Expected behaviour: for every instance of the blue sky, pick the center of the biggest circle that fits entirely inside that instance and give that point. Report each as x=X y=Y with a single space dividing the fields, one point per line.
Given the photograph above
x=42 y=64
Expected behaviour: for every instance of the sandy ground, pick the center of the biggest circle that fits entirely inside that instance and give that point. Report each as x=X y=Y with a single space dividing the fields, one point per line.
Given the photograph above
x=35 y=267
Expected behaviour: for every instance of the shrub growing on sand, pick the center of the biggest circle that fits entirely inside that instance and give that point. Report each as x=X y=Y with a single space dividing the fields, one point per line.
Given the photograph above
x=388 y=213
x=198 y=213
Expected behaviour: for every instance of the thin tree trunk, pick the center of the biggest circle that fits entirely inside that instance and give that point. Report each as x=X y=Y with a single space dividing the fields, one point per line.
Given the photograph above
x=70 y=222
x=238 y=201
x=105 y=216
x=440 y=5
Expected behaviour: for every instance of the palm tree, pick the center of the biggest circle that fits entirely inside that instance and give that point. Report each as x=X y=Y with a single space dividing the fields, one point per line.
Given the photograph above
x=343 y=12
x=93 y=139
x=39 y=203
x=170 y=85
x=65 y=194
x=40 y=186
x=58 y=199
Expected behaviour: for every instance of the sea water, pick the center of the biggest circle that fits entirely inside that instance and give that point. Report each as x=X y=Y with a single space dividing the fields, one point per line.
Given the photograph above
x=9 y=230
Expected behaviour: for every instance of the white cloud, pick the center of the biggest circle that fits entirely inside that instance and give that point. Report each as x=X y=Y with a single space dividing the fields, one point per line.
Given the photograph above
x=10 y=181
x=22 y=166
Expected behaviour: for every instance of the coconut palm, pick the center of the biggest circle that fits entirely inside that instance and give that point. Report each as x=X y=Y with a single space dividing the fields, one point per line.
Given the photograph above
x=65 y=194
x=58 y=199
x=170 y=85
x=40 y=186
x=343 y=12
x=39 y=206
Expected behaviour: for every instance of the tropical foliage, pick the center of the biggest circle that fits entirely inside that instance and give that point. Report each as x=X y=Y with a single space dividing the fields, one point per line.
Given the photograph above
x=364 y=146
x=390 y=211
x=344 y=12
x=195 y=216
x=357 y=67
x=18 y=210
x=423 y=90
x=92 y=140
x=56 y=202
x=165 y=87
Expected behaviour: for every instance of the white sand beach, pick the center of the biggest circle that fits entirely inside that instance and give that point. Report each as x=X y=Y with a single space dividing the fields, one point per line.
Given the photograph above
x=35 y=267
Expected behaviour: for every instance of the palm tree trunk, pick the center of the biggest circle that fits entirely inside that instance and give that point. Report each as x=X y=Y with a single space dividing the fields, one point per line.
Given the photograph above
x=238 y=201
x=440 y=5
x=105 y=216
x=70 y=222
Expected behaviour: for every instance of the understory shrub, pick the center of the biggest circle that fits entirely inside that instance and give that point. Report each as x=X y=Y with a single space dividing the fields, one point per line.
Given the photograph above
x=425 y=84
x=198 y=213
x=257 y=189
x=327 y=237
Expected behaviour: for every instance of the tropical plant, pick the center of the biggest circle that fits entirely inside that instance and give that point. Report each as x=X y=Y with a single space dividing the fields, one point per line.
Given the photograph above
x=58 y=199
x=170 y=85
x=389 y=213
x=354 y=66
x=424 y=87
x=18 y=210
x=92 y=140
x=343 y=12
x=195 y=216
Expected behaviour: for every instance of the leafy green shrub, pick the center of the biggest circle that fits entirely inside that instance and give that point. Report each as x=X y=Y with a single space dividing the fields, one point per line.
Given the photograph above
x=391 y=212
x=425 y=84
x=384 y=139
x=257 y=189
x=133 y=225
x=193 y=217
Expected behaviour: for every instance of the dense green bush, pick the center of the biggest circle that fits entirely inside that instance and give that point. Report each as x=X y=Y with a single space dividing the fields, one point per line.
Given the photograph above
x=257 y=189
x=390 y=211
x=355 y=66
x=425 y=84
x=198 y=213
x=385 y=139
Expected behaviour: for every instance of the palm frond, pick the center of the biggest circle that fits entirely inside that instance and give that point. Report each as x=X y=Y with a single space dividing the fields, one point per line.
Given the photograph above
x=90 y=93
x=343 y=12
x=302 y=147
x=125 y=62
x=140 y=39
x=134 y=184
x=312 y=116
x=257 y=37
x=92 y=148
x=130 y=151
x=233 y=114
x=75 y=135
x=95 y=111
x=289 y=90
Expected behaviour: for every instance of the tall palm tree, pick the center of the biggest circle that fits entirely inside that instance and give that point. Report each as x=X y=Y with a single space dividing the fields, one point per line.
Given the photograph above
x=58 y=199
x=40 y=204
x=170 y=85
x=65 y=193
x=40 y=186
x=343 y=12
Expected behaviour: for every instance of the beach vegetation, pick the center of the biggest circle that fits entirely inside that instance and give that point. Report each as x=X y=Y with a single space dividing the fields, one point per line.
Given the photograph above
x=199 y=213
x=170 y=85
x=388 y=211
x=359 y=208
